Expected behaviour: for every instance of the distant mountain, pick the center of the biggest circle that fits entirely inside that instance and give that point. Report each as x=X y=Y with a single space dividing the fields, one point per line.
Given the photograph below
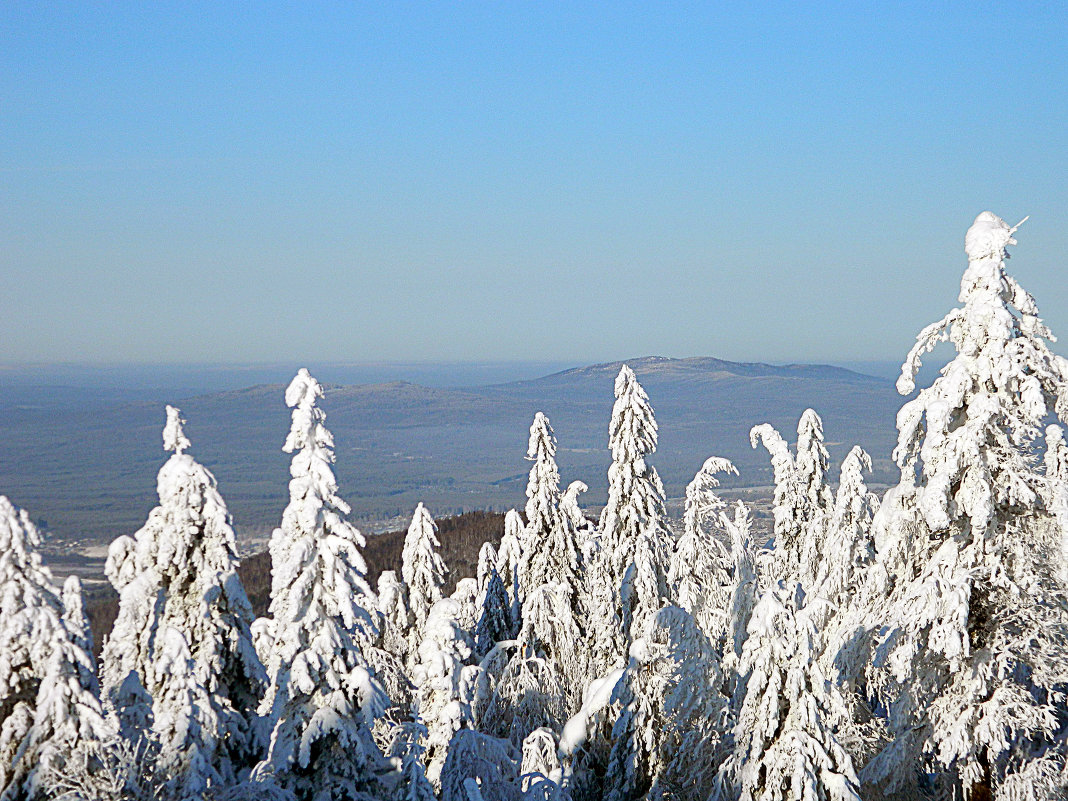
x=706 y=366
x=91 y=470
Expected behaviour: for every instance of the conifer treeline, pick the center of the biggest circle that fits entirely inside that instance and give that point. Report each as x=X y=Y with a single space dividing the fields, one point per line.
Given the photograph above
x=914 y=645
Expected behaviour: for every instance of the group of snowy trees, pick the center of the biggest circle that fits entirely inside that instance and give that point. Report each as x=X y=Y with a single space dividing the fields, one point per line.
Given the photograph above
x=909 y=646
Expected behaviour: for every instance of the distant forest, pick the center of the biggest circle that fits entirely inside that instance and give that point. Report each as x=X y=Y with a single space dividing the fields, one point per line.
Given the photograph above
x=461 y=538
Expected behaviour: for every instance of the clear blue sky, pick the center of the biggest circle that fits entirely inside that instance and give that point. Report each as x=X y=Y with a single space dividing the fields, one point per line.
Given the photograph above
x=469 y=181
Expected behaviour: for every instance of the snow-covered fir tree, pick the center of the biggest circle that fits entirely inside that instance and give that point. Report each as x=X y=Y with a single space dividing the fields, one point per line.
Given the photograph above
x=423 y=571
x=509 y=557
x=550 y=546
x=181 y=641
x=635 y=506
x=784 y=746
x=48 y=705
x=664 y=742
x=322 y=698
x=972 y=659
x=495 y=619
x=413 y=784
x=395 y=618
x=443 y=649
x=76 y=622
x=802 y=498
x=700 y=569
x=744 y=590
x=487 y=564
x=847 y=547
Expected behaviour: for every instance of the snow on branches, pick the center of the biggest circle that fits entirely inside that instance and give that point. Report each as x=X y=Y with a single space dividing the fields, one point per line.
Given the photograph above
x=801 y=497
x=423 y=571
x=973 y=629
x=323 y=697
x=180 y=668
x=49 y=709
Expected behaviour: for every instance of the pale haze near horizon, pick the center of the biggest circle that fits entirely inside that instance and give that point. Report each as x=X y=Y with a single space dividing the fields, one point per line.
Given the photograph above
x=183 y=183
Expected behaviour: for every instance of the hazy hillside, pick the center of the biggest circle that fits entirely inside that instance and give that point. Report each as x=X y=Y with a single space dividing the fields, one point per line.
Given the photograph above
x=91 y=470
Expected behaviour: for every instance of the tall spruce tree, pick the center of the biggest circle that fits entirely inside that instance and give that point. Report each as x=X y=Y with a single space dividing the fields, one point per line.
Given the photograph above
x=322 y=698
x=973 y=626
x=423 y=571
x=550 y=546
x=847 y=548
x=182 y=631
x=802 y=499
x=509 y=558
x=784 y=744
x=635 y=505
x=48 y=705
x=701 y=566
x=495 y=619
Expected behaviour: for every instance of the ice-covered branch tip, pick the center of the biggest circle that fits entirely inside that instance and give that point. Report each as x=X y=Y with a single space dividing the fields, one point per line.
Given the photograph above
x=989 y=236
x=713 y=465
x=174 y=438
x=303 y=390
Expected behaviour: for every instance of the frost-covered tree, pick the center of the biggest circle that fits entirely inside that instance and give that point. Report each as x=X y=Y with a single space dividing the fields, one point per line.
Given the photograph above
x=645 y=588
x=181 y=641
x=973 y=656
x=541 y=684
x=529 y=694
x=801 y=499
x=635 y=492
x=487 y=564
x=396 y=619
x=847 y=547
x=437 y=675
x=665 y=739
x=76 y=622
x=744 y=590
x=540 y=773
x=509 y=557
x=700 y=569
x=322 y=698
x=552 y=632
x=48 y=707
x=422 y=568
x=635 y=505
x=468 y=610
x=480 y=766
x=495 y=619
x=550 y=544
x=784 y=746
x=413 y=784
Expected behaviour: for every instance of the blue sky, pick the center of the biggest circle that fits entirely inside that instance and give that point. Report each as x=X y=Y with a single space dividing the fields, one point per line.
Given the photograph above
x=425 y=181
